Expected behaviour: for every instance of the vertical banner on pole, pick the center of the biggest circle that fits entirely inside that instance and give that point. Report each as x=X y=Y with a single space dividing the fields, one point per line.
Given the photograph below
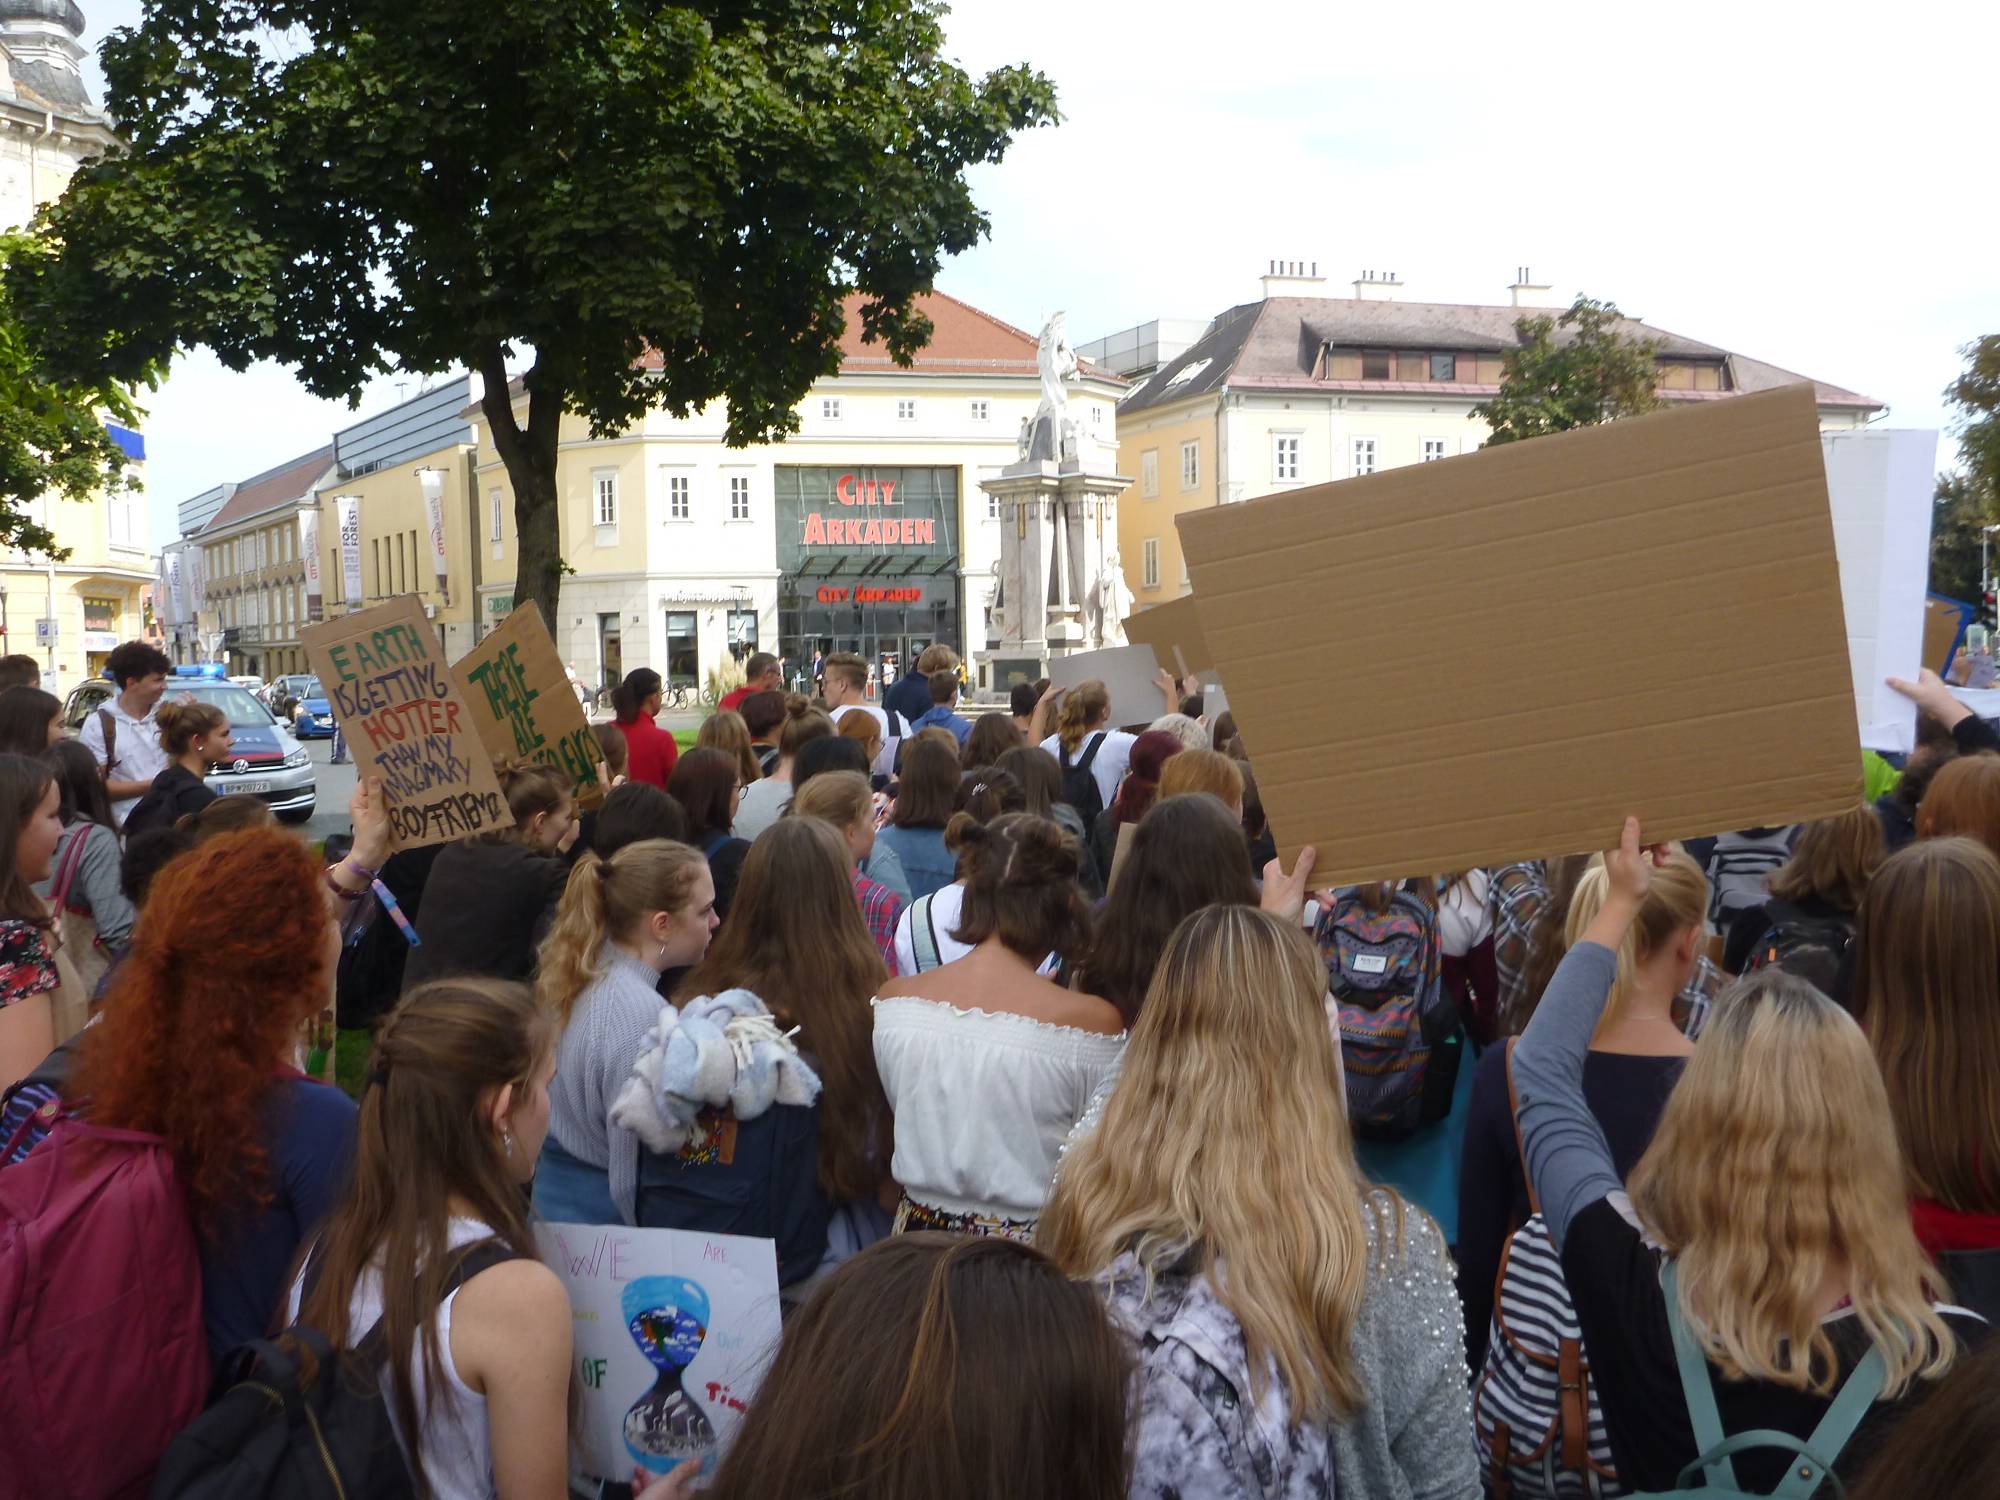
x=309 y=552
x=175 y=612
x=347 y=515
x=433 y=484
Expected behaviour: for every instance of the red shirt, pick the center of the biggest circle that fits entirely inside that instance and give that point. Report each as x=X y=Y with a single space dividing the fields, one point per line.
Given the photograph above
x=650 y=752
x=733 y=699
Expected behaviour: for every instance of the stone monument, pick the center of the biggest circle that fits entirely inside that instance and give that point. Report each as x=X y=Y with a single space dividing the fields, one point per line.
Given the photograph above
x=1059 y=589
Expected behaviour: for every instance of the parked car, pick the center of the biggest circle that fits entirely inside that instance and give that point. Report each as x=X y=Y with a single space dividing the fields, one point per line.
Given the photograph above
x=268 y=763
x=282 y=696
x=312 y=715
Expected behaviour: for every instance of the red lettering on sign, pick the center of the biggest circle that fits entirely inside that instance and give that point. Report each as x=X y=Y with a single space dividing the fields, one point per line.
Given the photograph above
x=843 y=491
x=888 y=488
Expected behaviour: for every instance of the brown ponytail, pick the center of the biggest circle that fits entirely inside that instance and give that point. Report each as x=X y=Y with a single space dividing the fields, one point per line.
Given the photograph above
x=181 y=724
x=1020 y=885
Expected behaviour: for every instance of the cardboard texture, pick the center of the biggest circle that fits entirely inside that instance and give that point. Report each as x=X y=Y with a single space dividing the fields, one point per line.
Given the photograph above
x=1941 y=627
x=407 y=722
x=1499 y=656
x=1173 y=630
x=522 y=706
x=1127 y=674
x=1879 y=483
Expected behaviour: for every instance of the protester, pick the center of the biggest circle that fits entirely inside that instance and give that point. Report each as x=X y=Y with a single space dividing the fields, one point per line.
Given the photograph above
x=915 y=832
x=94 y=915
x=865 y=732
x=1184 y=727
x=1295 y=1329
x=30 y=721
x=941 y=1323
x=122 y=734
x=1964 y=798
x=764 y=799
x=612 y=750
x=197 y=1042
x=1530 y=907
x=925 y=932
x=635 y=706
x=1186 y=854
x=845 y=688
x=1950 y=1445
x=1256 y=827
x=1223 y=736
x=635 y=811
x=623 y=921
x=1083 y=734
x=1780 y=1107
x=1022 y=699
x=812 y=1176
x=431 y=1243
x=943 y=711
x=1814 y=896
x=490 y=897
x=1634 y=1059
x=762 y=714
x=991 y=736
x=761 y=674
x=705 y=785
x=1207 y=771
x=19 y=671
x=914 y=694
x=1927 y=991
x=196 y=738
x=30 y=977
x=1149 y=755
x=987 y=792
x=987 y=1065
x=1897 y=807
x=726 y=731
x=843 y=800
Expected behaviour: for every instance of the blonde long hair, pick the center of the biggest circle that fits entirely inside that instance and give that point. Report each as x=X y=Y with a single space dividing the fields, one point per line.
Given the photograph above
x=1776 y=1163
x=604 y=899
x=1676 y=901
x=1233 y=1035
x=1082 y=706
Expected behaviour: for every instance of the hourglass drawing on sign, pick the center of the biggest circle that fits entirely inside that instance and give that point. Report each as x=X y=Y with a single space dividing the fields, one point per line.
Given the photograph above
x=667 y=1317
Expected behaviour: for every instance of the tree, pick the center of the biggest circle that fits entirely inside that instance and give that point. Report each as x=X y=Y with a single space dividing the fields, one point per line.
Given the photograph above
x=663 y=205
x=1976 y=394
x=53 y=440
x=1963 y=510
x=1573 y=371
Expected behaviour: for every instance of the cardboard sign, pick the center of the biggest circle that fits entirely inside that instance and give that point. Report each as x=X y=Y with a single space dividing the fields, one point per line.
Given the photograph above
x=1531 y=641
x=406 y=720
x=1942 y=623
x=1127 y=674
x=522 y=705
x=1879 y=484
x=672 y=1331
x=1173 y=630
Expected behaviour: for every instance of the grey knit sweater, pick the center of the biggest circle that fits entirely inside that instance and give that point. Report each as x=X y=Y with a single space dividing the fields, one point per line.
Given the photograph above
x=1201 y=1432
x=593 y=1060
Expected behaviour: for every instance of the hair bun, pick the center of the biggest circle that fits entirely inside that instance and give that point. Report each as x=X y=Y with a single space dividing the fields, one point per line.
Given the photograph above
x=1042 y=850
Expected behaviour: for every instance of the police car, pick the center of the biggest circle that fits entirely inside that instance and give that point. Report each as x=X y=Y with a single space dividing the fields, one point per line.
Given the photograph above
x=267 y=763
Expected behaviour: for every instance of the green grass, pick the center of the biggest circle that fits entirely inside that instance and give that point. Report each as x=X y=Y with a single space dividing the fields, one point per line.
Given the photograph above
x=684 y=738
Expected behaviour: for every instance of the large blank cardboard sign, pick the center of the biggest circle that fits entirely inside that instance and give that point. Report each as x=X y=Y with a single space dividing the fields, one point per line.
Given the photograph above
x=1173 y=630
x=1127 y=674
x=1499 y=656
x=400 y=707
x=522 y=706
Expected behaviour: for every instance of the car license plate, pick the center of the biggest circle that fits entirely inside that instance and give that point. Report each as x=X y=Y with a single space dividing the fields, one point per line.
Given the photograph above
x=255 y=788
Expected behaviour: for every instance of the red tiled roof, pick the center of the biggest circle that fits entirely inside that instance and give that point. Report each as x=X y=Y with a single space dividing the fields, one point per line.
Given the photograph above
x=273 y=487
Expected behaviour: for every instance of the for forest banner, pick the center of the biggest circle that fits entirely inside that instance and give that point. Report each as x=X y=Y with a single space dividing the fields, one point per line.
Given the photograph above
x=403 y=714
x=522 y=705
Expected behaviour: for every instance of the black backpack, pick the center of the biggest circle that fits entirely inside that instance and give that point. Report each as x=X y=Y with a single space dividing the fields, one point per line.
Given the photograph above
x=1079 y=786
x=277 y=1432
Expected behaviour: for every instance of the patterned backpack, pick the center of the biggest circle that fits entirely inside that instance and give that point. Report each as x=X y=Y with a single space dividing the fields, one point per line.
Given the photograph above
x=1397 y=1021
x=1533 y=1406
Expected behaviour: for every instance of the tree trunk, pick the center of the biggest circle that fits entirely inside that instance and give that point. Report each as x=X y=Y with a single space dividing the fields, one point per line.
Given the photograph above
x=529 y=454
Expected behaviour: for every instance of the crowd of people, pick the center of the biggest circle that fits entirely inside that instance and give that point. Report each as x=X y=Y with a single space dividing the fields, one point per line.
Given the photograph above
x=1101 y=1152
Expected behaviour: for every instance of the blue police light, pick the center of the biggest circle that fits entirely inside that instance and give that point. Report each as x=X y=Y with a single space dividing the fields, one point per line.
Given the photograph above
x=214 y=669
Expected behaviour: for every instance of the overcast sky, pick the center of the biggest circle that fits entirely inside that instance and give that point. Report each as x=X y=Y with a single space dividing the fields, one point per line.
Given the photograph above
x=1802 y=183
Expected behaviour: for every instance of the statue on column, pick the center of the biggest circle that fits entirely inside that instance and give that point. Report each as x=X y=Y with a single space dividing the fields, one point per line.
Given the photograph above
x=1056 y=363
x=1114 y=598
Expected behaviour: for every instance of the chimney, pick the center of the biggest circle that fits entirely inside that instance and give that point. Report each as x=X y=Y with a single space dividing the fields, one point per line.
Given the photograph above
x=1293 y=278
x=1378 y=286
x=1527 y=292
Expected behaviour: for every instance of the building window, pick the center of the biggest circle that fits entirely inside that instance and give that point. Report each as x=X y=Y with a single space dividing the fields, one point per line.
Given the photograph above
x=992 y=506
x=739 y=497
x=1285 y=456
x=1149 y=473
x=1149 y=563
x=680 y=507
x=1444 y=367
x=829 y=408
x=1096 y=418
x=981 y=410
x=606 y=485
x=1434 y=449
x=1364 y=456
x=683 y=653
x=742 y=625
x=610 y=647
x=1377 y=365
x=906 y=409
x=493 y=498
x=1190 y=464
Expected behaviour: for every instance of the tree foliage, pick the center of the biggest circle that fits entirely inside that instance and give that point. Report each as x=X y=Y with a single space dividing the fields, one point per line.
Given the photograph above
x=1573 y=371
x=1963 y=510
x=53 y=439
x=661 y=205
x=1969 y=500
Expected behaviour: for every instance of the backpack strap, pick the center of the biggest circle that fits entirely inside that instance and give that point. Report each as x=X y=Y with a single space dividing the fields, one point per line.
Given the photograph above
x=68 y=865
x=1090 y=751
x=110 y=727
x=923 y=935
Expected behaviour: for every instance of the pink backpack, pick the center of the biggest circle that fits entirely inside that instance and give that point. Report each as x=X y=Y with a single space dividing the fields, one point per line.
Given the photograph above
x=102 y=1353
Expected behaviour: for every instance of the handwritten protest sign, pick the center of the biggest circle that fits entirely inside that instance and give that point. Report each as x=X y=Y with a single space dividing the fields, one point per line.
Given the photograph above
x=400 y=707
x=673 y=1329
x=522 y=705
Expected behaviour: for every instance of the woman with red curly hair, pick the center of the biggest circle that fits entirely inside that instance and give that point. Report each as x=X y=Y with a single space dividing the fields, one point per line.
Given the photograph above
x=196 y=1045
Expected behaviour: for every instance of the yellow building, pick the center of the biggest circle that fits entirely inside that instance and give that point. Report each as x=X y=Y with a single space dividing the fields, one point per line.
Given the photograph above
x=1299 y=388
x=68 y=614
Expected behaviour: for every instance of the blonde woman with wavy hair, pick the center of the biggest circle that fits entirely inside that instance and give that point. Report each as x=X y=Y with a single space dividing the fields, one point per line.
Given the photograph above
x=1297 y=1329
x=622 y=922
x=1766 y=1234
x=1657 y=956
x=1084 y=734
